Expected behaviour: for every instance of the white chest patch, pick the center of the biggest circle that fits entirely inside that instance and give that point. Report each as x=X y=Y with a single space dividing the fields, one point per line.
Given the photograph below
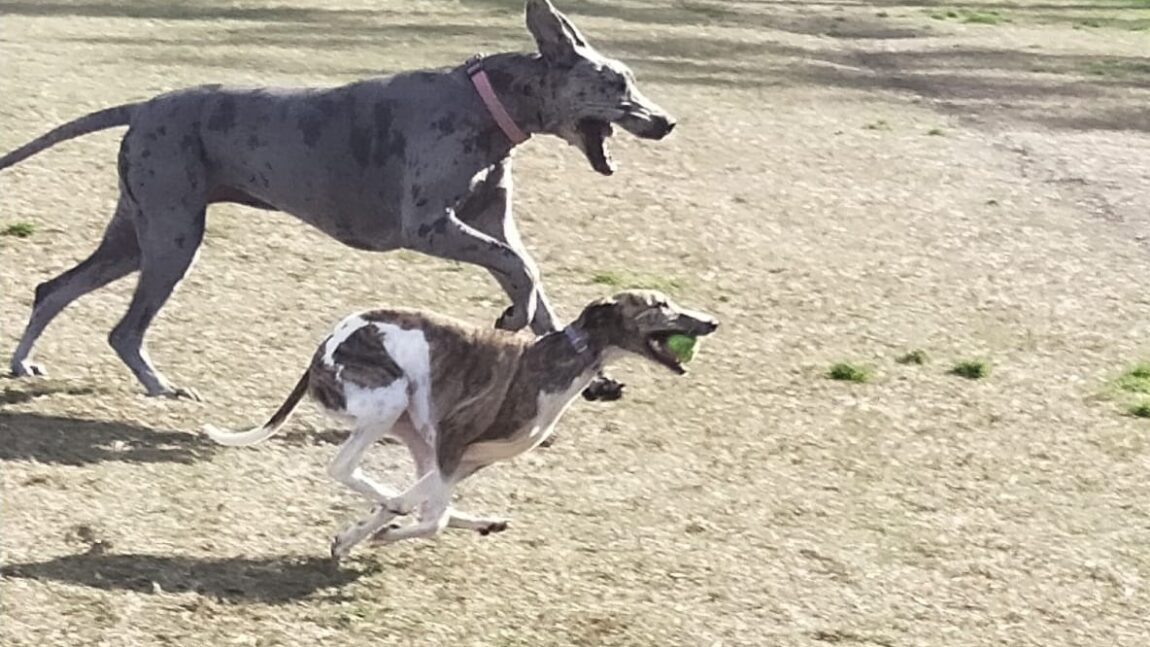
x=549 y=407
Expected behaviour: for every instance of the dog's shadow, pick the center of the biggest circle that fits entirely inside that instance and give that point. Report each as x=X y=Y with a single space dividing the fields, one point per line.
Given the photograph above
x=79 y=441
x=267 y=580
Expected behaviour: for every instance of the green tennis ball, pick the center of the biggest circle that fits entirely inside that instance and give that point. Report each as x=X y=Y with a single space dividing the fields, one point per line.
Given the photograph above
x=682 y=347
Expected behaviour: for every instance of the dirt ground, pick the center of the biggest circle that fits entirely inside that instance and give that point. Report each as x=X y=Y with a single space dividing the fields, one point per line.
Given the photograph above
x=848 y=182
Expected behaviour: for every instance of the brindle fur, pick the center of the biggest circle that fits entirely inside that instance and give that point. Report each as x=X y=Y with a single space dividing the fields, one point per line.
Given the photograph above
x=478 y=396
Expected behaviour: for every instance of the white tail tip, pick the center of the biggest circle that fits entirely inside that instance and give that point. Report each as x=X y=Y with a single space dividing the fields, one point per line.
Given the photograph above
x=238 y=438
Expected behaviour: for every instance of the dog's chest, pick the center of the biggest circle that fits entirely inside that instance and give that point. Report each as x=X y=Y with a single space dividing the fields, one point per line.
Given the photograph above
x=549 y=407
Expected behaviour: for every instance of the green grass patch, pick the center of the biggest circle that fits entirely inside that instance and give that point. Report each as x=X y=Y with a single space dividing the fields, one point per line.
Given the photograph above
x=19 y=229
x=633 y=281
x=1140 y=410
x=971 y=369
x=936 y=132
x=845 y=372
x=1136 y=379
x=879 y=124
x=915 y=357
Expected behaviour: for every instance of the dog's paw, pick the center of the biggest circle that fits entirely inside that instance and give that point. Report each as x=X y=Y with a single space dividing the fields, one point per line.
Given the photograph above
x=604 y=389
x=340 y=548
x=493 y=526
x=180 y=393
x=26 y=369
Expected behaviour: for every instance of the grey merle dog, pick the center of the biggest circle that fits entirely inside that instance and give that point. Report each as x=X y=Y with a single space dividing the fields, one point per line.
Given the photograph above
x=418 y=160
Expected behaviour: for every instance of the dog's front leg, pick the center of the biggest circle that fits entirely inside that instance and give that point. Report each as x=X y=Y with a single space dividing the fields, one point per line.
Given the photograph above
x=444 y=235
x=488 y=209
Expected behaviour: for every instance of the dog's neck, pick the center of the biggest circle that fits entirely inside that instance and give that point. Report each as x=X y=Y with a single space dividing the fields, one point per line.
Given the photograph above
x=566 y=359
x=520 y=84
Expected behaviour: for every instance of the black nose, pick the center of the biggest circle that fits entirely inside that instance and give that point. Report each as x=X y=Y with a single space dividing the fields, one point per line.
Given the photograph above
x=667 y=124
x=711 y=326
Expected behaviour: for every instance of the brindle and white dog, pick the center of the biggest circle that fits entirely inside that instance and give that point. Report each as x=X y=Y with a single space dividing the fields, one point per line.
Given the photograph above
x=461 y=397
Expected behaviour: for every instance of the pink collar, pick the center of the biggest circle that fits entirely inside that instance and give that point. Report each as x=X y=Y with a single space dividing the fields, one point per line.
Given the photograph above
x=494 y=105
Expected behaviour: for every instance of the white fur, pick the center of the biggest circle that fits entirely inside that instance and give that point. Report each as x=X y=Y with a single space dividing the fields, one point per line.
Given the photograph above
x=375 y=405
x=411 y=352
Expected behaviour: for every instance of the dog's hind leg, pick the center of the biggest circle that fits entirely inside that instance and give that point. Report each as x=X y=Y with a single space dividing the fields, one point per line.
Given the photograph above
x=391 y=402
x=117 y=255
x=170 y=231
x=434 y=512
x=383 y=513
x=482 y=525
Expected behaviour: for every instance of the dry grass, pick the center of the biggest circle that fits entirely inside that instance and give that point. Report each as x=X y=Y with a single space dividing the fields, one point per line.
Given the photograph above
x=750 y=503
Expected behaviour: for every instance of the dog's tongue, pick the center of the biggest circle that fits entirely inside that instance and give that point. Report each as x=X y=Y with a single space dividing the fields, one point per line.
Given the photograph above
x=595 y=134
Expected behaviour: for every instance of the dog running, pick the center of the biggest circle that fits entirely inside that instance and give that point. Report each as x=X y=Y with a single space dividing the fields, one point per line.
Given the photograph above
x=461 y=397
x=418 y=160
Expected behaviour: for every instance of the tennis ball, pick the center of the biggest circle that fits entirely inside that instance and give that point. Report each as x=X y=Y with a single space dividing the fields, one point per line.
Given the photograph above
x=682 y=347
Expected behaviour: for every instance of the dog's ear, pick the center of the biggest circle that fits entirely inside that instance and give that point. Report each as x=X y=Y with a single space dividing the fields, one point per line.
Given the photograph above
x=601 y=313
x=558 y=40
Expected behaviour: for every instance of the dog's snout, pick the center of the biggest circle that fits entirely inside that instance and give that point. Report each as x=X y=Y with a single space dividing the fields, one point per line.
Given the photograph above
x=710 y=325
x=664 y=125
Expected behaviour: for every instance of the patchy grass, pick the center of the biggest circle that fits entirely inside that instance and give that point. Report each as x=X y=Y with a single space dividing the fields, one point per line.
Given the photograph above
x=944 y=15
x=983 y=18
x=1118 y=69
x=635 y=281
x=19 y=229
x=173 y=545
x=915 y=357
x=845 y=372
x=1136 y=379
x=1140 y=410
x=936 y=132
x=971 y=369
x=969 y=16
x=878 y=124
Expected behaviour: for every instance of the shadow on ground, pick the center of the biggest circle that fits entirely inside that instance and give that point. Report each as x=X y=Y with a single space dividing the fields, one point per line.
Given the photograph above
x=78 y=441
x=1055 y=90
x=276 y=579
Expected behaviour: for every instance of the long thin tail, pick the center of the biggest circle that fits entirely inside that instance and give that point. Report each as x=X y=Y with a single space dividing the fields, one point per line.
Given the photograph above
x=259 y=434
x=100 y=120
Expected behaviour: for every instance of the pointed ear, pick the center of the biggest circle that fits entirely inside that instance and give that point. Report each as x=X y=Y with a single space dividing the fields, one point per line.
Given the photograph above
x=558 y=40
x=600 y=312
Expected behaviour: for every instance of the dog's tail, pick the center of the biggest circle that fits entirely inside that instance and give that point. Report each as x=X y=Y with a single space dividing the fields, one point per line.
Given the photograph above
x=259 y=434
x=100 y=120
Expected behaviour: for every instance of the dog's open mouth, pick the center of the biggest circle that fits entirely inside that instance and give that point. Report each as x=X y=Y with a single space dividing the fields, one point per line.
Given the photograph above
x=657 y=345
x=593 y=135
